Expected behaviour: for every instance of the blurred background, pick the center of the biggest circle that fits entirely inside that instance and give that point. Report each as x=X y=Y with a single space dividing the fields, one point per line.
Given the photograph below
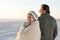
x=13 y=14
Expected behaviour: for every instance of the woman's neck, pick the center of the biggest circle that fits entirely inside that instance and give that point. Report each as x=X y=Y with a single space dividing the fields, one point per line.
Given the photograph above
x=31 y=21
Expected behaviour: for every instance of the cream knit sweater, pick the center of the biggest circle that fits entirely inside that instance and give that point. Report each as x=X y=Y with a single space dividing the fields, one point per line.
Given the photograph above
x=32 y=32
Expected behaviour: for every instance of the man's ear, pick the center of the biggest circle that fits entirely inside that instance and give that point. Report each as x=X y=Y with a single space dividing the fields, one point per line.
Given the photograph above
x=44 y=11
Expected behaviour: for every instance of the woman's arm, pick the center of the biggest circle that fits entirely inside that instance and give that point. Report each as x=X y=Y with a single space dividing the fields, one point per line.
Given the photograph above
x=19 y=33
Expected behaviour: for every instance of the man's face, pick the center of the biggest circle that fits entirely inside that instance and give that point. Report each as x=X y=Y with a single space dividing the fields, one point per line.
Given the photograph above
x=41 y=11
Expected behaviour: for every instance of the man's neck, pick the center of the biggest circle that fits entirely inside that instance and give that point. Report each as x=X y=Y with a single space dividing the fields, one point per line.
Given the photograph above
x=44 y=14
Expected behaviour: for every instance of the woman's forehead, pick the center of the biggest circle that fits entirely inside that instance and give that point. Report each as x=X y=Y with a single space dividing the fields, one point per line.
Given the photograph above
x=30 y=14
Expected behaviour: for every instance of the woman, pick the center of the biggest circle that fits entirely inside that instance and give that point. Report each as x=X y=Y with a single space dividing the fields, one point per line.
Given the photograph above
x=30 y=29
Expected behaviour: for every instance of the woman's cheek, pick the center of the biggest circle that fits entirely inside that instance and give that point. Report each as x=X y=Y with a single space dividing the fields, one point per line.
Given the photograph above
x=31 y=19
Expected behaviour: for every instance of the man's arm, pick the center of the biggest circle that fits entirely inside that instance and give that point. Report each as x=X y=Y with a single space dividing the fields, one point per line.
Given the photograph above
x=55 y=32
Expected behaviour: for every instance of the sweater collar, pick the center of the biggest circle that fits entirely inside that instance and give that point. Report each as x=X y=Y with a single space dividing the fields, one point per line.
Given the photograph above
x=45 y=14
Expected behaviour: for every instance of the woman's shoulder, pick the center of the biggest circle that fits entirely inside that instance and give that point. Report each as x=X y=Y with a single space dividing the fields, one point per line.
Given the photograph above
x=35 y=22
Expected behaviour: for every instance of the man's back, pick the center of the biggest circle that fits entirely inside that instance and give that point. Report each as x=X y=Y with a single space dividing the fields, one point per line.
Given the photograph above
x=48 y=27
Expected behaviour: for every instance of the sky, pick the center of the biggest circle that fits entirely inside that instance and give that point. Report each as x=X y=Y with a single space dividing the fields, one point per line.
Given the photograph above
x=18 y=9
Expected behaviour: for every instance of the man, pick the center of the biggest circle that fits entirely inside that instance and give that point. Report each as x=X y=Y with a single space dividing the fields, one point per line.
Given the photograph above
x=48 y=24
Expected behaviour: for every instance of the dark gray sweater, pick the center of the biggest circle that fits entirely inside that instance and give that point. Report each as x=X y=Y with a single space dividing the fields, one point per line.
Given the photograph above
x=48 y=27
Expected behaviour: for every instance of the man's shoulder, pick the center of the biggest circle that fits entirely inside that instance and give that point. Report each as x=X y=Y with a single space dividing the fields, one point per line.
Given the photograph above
x=49 y=17
x=52 y=18
x=42 y=17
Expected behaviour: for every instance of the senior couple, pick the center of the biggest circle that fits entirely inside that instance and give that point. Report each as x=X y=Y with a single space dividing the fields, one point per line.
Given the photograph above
x=38 y=28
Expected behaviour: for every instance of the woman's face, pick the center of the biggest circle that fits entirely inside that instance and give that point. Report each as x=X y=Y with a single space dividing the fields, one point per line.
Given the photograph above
x=29 y=18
